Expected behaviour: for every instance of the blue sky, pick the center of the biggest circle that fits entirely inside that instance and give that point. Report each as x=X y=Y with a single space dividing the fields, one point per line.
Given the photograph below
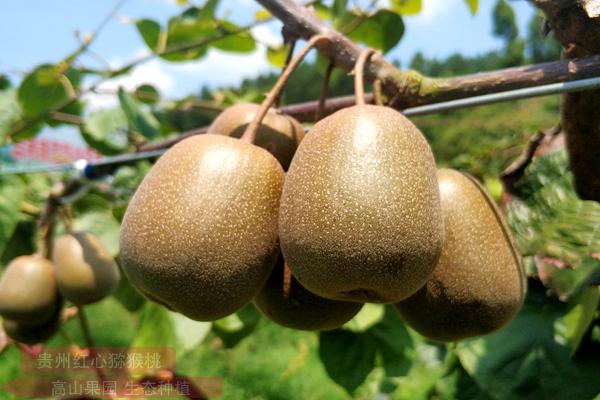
x=34 y=32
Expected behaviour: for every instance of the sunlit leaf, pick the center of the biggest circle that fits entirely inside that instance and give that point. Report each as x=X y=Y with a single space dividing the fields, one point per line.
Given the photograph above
x=235 y=327
x=473 y=4
x=146 y=93
x=240 y=42
x=368 y=316
x=406 y=7
x=583 y=308
x=277 y=56
x=189 y=333
x=156 y=327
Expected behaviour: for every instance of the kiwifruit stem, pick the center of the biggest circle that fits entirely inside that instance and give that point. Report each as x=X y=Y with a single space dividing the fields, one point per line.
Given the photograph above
x=250 y=133
x=359 y=67
x=89 y=341
x=288 y=58
x=324 y=90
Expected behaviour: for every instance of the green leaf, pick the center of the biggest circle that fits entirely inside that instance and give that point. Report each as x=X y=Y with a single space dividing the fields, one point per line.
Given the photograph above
x=209 y=9
x=102 y=224
x=146 y=94
x=572 y=327
x=127 y=295
x=547 y=217
x=473 y=4
x=4 y=82
x=338 y=9
x=568 y=282
x=22 y=241
x=347 y=357
x=395 y=345
x=46 y=87
x=189 y=333
x=523 y=360
x=277 y=56
x=368 y=316
x=406 y=7
x=150 y=31
x=156 y=327
x=11 y=195
x=10 y=112
x=235 y=327
x=241 y=42
x=187 y=29
x=106 y=131
x=140 y=121
x=382 y=30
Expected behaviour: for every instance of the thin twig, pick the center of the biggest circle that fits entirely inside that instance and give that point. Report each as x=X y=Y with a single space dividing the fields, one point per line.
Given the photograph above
x=288 y=58
x=250 y=133
x=324 y=89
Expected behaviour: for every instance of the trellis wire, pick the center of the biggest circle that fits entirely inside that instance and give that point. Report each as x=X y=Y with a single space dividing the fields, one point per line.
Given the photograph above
x=92 y=170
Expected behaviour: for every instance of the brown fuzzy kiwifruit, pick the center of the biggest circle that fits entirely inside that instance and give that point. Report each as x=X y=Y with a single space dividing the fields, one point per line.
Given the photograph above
x=479 y=284
x=286 y=302
x=200 y=233
x=27 y=333
x=28 y=291
x=278 y=133
x=85 y=271
x=360 y=217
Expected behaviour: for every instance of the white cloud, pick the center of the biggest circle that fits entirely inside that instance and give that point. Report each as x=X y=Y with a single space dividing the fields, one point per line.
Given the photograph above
x=265 y=34
x=434 y=10
x=151 y=72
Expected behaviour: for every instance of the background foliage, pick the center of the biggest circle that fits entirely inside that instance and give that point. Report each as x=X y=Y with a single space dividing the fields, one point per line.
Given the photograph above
x=550 y=350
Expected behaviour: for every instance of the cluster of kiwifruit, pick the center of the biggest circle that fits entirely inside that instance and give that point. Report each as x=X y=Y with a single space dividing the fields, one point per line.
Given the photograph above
x=32 y=288
x=361 y=215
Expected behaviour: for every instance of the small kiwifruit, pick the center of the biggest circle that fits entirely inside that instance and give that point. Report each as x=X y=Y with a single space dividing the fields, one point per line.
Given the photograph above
x=32 y=333
x=479 y=283
x=85 y=272
x=28 y=291
x=200 y=233
x=278 y=133
x=360 y=217
x=286 y=302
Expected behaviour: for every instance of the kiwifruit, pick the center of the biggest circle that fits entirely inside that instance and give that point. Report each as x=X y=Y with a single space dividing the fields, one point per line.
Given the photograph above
x=360 y=217
x=478 y=284
x=27 y=333
x=286 y=302
x=278 y=133
x=200 y=233
x=28 y=290
x=85 y=271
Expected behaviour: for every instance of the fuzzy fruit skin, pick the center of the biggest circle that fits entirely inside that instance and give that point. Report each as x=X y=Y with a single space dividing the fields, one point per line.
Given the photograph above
x=278 y=133
x=28 y=291
x=360 y=217
x=200 y=233
x=85 y=271
x=296 y=308
x=32 y=334
x=479 y=283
